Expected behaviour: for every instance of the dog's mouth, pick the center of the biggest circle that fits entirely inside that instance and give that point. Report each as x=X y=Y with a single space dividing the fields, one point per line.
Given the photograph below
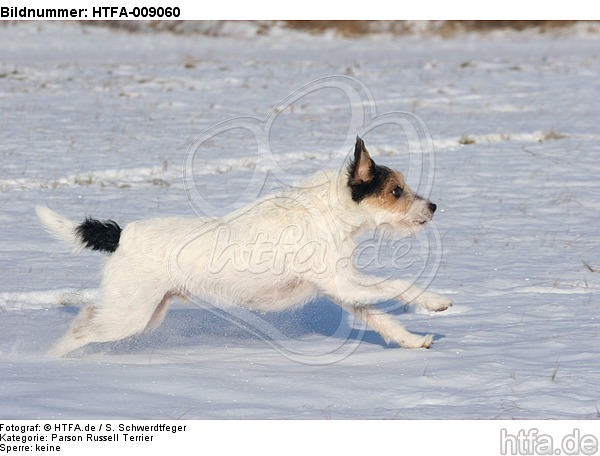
x=424 y=220
x=421 y=218
x=421 y=222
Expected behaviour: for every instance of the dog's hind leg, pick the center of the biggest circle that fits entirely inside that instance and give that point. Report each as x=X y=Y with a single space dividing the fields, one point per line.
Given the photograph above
x=123 y=311
x=78 y=334
x=390 y=328
x=161 y=310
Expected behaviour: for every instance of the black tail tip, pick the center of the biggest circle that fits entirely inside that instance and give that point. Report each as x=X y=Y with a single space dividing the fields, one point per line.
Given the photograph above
x=100 y=235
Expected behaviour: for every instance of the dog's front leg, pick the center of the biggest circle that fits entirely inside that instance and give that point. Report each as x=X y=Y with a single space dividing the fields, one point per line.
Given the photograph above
x=390 y=329
x=433 y=301
x=360 y=289
x=408 y=293
x=357 y=294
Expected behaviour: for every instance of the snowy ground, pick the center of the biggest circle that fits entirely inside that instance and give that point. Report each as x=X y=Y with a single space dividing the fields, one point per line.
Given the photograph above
x=98 y=122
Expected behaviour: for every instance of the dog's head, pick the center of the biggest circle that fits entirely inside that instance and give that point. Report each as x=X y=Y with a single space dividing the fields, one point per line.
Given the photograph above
x=384 y=194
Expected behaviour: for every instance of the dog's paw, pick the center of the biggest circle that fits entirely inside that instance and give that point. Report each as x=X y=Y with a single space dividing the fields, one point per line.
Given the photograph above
x=419 y=342
x=434 y=302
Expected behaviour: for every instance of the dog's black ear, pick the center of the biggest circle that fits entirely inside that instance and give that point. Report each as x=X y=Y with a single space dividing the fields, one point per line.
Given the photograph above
x=361 y=169
x=365 y=178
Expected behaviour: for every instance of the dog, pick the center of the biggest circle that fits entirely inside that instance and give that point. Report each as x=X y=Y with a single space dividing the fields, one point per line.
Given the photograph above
x=280 y=252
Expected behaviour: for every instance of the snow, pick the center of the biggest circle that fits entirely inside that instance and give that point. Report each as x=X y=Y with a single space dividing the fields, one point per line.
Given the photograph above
x=99 y=122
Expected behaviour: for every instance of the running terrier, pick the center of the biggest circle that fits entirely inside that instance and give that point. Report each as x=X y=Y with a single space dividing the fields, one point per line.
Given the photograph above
x=280 y=252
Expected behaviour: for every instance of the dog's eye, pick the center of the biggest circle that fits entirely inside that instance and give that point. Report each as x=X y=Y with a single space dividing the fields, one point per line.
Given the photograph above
x=397 y=192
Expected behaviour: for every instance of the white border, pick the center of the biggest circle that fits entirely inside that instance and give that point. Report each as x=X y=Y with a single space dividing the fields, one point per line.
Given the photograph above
x=306 y=438
x=366 y=10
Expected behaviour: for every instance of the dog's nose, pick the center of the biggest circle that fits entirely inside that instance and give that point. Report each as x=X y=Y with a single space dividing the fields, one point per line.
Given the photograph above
x=432 y=207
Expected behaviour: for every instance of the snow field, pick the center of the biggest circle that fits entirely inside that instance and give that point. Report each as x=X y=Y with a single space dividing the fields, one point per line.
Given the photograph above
x=98 y=122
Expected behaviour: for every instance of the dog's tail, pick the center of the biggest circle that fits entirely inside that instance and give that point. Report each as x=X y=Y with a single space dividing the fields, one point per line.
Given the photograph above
x=92 y=234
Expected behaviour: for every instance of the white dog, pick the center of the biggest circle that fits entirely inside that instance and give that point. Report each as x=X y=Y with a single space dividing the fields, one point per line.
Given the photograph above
x=278 y=253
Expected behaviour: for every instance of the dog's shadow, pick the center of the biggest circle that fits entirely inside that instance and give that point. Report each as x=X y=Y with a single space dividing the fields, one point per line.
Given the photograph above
x=191 y=326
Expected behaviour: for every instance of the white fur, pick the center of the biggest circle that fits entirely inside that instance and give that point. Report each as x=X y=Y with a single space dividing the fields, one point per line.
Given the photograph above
x=280 y=252
x=60 y=227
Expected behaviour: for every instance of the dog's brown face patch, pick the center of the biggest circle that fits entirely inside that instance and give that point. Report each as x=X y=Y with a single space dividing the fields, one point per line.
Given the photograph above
x=393 y=195
x=385 y=192
x=396 y=197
